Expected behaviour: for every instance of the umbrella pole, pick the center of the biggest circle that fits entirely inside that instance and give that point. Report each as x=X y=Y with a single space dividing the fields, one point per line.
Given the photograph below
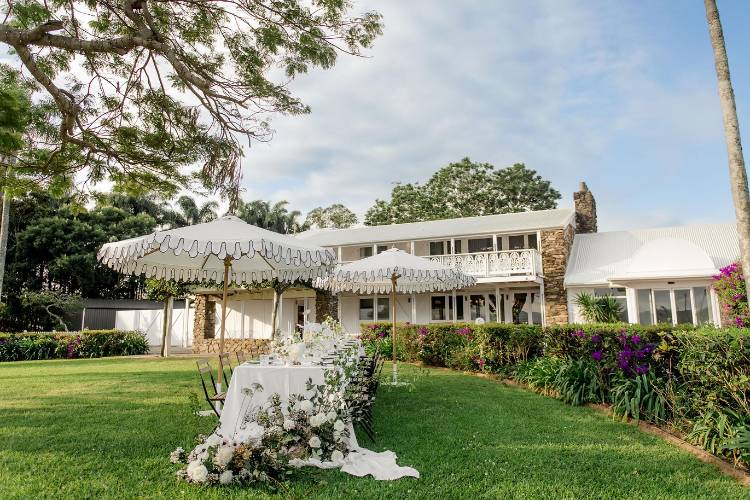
x=394 y=279
x=227 y=264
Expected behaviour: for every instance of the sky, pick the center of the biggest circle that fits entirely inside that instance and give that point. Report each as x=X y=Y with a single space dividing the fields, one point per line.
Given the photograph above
x=621 y=94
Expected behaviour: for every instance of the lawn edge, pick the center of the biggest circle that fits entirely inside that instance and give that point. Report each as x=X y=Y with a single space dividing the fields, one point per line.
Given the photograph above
x=742 y=476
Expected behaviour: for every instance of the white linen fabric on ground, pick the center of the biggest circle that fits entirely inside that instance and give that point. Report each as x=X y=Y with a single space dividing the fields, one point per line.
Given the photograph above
x=249 y=390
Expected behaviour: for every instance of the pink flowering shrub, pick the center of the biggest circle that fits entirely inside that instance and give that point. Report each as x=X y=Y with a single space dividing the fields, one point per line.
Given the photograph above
x=729 y=285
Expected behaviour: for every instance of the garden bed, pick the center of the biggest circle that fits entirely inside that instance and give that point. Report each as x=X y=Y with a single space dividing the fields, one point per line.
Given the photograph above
x=692 y=382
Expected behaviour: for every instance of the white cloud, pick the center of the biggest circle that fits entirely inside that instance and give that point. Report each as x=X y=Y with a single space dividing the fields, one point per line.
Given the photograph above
x=552 y=84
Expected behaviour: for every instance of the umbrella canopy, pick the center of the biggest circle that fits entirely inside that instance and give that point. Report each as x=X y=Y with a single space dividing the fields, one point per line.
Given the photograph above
x=375 y=275
x=226 y=250
x=199 y=253
x=394 y=271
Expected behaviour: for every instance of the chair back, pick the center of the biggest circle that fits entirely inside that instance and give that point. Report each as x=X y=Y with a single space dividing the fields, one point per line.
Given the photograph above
x=240 y=357
x=226 y=363
x=204 y=370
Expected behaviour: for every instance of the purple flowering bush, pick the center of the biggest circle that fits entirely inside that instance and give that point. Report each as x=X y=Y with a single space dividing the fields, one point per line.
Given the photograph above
x=729 y=285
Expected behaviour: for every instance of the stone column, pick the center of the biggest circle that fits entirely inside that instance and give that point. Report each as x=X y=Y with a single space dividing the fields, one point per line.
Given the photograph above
x=555 y=245
x=585 y=206
x=326 y=304
x=204 y=325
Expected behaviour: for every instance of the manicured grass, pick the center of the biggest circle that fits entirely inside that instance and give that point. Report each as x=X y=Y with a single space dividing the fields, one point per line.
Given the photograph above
x=105 y=428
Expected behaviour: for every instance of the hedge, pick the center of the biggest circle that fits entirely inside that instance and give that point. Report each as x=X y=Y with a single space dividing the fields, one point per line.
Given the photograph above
x=693 y=381
x=83 y=344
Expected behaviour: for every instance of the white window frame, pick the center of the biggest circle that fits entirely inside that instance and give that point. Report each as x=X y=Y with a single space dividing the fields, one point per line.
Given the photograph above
x=374 y=307
x=673 y=303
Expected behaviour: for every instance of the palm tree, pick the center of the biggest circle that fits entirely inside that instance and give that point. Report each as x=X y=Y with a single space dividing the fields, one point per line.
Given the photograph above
x=274 y=217
x=134 y=204
x=737 y=172
x=190 y=213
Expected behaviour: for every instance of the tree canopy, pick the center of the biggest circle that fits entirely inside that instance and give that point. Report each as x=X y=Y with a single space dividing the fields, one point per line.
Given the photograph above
x=139 y=92
x=274 y=217
x=336 y=216
x=465 y=189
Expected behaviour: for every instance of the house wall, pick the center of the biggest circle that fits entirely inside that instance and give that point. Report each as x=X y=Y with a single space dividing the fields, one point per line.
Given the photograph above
x=150 y=322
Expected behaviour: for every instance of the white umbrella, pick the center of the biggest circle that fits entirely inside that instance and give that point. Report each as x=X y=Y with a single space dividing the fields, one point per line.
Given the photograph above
x=394 y=271
x=226 y=250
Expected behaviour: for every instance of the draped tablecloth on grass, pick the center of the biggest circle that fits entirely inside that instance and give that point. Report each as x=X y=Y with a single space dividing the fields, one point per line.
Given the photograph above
x=252 y=386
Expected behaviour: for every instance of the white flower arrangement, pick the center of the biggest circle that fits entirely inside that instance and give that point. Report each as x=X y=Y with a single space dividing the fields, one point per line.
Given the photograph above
x=309 y=429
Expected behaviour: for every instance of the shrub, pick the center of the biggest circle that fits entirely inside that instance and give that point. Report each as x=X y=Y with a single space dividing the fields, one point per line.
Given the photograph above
x=540 y=373
x=492 y=347
x=603 y=309
x=85 y=344
x=730 y=286
x=579 y=381
x=638 y=397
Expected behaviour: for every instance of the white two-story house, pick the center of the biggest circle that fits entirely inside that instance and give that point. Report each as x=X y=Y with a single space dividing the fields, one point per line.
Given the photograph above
x=529 y=268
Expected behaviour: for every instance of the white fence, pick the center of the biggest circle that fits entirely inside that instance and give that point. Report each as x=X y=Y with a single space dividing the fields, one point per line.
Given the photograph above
x=149 y=321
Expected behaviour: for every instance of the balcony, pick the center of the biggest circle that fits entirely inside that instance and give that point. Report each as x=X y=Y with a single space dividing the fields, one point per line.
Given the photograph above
x=503 y=265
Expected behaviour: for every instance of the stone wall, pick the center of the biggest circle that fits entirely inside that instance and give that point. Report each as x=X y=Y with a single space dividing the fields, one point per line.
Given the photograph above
x=204 y=324
x=326 y=304
x=251 y=347
x=204 y=332
x=585 y=206
x=556 y=244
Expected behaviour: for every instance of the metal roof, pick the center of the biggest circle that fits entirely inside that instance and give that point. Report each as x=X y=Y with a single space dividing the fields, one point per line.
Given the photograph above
x=669 y=252
x=446 y=228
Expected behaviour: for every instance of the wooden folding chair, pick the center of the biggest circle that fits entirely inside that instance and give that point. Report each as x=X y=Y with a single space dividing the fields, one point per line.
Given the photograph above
x=240 y=357
x=212 y=396
x=226 y=363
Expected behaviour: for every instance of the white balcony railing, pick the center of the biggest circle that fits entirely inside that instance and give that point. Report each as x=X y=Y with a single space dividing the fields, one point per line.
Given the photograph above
x=495 y=264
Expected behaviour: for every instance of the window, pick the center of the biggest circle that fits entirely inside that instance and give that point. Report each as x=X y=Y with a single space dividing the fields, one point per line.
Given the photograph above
x=519 y=310
x=492 y=305
x=675 y=306
x=619 y=295
x=384 y=309
x=516 y=242
x=480 y=245
x=702 y=301
x=476 y=307
x=374 y=308
x=644 y=306
x=683 y=307
x=437 y=248
x=456 y=246
x=438 y=306
x=663 y=306
x=365 y=252
x=382 y=248
x=366 y=309
x=532 y=242
x=441 y=307
x=536 y=309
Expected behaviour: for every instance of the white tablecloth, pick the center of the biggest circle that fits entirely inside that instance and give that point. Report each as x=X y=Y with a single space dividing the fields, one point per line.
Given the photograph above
x=251 y=387
x=245 y=396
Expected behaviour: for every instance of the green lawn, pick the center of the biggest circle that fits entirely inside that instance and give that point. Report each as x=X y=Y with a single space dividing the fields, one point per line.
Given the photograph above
x=105 y=428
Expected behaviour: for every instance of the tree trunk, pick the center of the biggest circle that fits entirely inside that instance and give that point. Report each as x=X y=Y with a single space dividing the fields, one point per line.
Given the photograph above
x=737 y=173
x=4 y=225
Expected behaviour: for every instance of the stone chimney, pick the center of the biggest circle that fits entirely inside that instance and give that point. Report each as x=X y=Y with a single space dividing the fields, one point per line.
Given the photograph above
x=585 y=206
